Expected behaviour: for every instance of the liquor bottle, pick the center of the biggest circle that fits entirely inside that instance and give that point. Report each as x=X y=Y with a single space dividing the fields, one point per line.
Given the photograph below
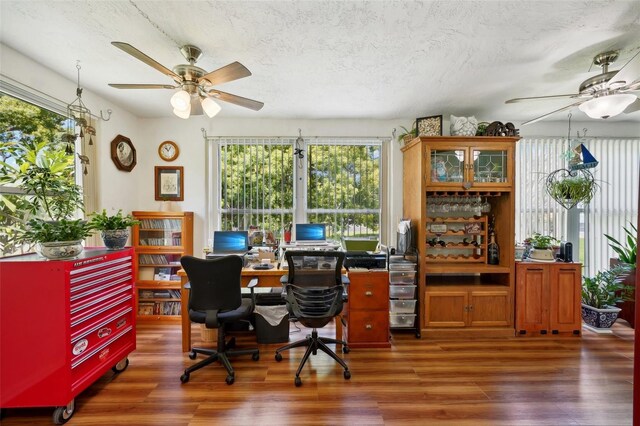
x=493 y=251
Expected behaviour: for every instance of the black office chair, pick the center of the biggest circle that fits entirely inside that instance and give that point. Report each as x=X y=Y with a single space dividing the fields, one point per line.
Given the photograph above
x=314 y=294
x=216 y=301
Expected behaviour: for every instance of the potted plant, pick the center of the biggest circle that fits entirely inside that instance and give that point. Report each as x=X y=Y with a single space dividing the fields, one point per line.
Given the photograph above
x=627 y=251
x=114 y=229
x=600 y=295
x=569 y=188
x=406 y=135
x=53 y=201
x=540 y=247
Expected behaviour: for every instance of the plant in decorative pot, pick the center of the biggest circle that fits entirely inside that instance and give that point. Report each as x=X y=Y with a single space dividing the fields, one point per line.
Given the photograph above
x=627 y=251
x=541 y=247
x=407 y=135
x=53 y=200
x=114 y=229
x=600 y=295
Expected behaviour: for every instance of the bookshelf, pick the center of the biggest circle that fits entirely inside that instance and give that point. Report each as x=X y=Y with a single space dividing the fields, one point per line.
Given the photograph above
x=159 y=241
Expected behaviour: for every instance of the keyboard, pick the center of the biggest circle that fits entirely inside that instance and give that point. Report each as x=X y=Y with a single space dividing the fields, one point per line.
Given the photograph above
x=311 y=243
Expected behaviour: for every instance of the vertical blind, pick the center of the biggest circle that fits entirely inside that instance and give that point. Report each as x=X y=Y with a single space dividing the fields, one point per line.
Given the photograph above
x=613 y=207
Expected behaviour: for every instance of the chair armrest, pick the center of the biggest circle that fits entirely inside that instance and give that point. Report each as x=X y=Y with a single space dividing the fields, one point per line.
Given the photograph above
x=250 y=286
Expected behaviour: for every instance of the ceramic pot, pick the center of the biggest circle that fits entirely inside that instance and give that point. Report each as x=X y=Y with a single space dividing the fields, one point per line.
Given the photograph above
x=115 y=239
x=59 y=250
x=599 y=318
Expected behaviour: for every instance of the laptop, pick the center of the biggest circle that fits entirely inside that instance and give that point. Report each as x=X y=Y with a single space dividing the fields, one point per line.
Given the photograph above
x=229 y=242
x=311 y=234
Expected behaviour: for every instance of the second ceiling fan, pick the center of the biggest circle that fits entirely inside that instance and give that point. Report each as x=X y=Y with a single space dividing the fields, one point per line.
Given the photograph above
x=196 y=85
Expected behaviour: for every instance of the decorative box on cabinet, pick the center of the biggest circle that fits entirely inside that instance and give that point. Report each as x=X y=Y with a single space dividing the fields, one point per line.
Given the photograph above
x=160 y=240
x=63 y=324
x=548 y=298
x=454 y=189
x=368 y=309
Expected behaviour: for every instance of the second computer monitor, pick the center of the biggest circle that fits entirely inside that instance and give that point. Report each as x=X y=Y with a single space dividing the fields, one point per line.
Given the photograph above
x=230 y=242
x=311 y=232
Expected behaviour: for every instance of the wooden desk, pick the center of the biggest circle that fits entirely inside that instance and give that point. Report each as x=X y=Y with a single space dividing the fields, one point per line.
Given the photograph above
x=266 y=278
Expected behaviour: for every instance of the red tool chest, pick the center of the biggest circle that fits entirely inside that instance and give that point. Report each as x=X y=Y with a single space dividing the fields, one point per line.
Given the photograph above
x=63 y=324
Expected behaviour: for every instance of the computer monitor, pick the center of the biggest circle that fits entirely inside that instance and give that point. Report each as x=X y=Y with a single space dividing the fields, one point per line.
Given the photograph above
x=236 y=242
x=311 y=232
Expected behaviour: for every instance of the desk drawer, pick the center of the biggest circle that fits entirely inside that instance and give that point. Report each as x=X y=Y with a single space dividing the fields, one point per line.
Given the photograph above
x=369 y=291
x=368 y=326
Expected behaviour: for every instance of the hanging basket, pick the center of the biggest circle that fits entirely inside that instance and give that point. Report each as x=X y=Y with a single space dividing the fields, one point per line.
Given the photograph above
x=570 y=187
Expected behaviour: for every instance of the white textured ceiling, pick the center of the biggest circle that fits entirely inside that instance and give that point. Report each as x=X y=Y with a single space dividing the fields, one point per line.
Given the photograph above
x=336 y=59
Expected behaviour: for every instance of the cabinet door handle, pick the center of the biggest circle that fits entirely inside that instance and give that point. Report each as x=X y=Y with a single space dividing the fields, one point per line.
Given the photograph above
x=466 y=309
x=368 y=293
x=368 y=326
x=470 y=307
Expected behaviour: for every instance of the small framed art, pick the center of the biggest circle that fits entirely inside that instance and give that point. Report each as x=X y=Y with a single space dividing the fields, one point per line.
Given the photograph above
x=169 y=183
x=429 y=126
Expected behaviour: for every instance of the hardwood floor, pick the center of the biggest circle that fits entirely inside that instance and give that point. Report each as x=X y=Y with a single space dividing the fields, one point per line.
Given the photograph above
x=528 y=381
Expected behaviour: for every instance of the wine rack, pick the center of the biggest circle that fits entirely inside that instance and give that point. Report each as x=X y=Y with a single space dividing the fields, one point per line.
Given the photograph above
x=457 y=239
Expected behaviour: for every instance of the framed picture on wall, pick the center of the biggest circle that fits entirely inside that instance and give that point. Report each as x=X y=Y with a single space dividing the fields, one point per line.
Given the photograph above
x=429 y=126
x=169 y=183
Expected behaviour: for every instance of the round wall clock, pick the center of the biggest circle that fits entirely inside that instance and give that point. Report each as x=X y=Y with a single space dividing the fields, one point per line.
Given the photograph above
x=168 y=150
x=123 y=153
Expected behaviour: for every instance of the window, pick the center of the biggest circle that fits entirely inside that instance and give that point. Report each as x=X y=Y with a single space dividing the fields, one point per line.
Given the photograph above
x=613 y=207
x=28 y=134
x=268 y=183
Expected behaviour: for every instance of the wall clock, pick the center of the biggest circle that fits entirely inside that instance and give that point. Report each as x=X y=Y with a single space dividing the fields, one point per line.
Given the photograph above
x=168 y=150
x=123 y=153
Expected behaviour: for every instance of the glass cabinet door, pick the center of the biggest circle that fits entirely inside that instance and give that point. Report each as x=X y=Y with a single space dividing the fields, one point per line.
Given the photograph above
x=490 y=166
x=447 y=166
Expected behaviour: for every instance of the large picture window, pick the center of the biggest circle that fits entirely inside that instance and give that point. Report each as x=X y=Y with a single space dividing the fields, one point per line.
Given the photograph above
x=270 y=183
x=29 y=136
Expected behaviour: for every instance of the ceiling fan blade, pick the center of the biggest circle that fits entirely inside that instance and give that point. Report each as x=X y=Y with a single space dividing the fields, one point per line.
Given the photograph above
x=142 y=86
x=146 y=59
x=238 y=100
x=229 y=72
x=629 y=72
x=550 y=113
x=514 y=100
x=635 y=106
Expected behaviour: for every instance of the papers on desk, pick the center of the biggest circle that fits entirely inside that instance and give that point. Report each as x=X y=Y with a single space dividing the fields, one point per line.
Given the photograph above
x=256 y=290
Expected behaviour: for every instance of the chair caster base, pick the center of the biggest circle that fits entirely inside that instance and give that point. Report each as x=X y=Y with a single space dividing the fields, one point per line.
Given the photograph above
x=278 y=357
x=345 y=349
x=184 y=378
x=255 y=356
x=192 y=355
x=298 y=381
x=230 y=379
x=347 y=374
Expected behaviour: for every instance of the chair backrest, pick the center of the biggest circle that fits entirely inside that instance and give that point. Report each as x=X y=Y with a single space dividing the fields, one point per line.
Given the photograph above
x=314 y=289
x=313 y=268
x=215 y=283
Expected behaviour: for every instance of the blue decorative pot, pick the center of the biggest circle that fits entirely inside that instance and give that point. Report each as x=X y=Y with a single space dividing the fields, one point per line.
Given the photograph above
x=115 y=239
x=599 y=318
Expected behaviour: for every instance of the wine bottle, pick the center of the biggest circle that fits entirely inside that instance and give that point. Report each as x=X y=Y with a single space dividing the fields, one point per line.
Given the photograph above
x=493 y=251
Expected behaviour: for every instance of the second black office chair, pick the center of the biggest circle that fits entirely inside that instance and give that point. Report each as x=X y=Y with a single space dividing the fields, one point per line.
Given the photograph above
x=314 y=294
x=216 y=301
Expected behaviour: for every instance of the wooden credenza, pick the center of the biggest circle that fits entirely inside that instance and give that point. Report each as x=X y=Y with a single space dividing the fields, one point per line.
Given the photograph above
x=548 y=298
x=367 y=313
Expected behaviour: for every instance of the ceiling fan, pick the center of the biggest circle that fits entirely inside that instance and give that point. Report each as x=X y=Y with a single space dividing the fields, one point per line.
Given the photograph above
x=603 y=95
x=196 y=85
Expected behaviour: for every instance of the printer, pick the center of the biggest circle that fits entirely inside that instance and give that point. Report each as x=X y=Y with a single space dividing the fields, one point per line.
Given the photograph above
x=365 y=259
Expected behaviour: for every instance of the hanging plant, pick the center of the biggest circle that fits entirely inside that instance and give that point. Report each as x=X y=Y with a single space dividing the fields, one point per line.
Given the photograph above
x=570 y=187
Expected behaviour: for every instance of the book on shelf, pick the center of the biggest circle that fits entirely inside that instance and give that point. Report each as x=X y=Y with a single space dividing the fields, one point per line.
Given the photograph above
x=145 y=294
x=145 y=308
x=145 y=273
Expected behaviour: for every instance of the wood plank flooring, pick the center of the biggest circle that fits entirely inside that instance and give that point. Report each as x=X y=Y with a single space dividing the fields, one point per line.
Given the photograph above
x=513 y=381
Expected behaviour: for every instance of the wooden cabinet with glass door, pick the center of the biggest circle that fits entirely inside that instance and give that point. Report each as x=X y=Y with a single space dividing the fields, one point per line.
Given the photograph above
x=160 y=240
x=458 y=191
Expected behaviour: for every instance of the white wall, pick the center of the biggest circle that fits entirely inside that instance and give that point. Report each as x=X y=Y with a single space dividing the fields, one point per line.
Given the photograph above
x=135 y=190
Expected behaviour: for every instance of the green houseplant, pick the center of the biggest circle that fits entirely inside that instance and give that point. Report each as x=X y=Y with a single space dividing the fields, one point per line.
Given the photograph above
x=627 y=251
x=407 y=135
x=53 y=200
x=114 y=228
x=600 y=295
x=541 y=247
x=577 y=189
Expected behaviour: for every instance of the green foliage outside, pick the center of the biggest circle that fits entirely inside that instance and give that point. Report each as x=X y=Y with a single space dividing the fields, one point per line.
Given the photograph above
x=32 y=157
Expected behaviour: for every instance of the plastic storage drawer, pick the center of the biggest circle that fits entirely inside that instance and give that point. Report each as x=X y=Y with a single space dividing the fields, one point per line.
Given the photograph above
x=402 y=291
x=402 y=320
x=402 y=306
x=402 y=266
x=402 y=277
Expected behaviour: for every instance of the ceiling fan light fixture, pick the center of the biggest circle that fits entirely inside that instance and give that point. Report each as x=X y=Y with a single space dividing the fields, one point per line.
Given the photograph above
x=181 y=100
x=210 y=107
x=607 y=106
x=183 y=113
